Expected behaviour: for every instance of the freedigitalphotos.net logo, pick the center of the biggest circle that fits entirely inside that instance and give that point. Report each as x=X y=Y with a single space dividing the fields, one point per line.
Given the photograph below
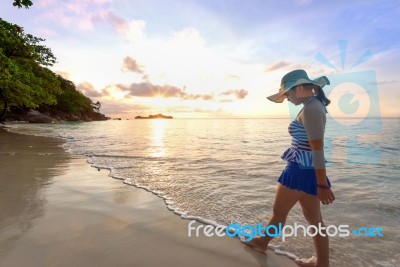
x=354 y=109
x=283 y=231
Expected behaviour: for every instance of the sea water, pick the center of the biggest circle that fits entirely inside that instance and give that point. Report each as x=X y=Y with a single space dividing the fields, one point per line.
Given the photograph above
x=221 y=171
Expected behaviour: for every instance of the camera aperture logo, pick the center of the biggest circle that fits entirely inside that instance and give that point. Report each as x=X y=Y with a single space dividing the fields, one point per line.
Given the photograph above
x=354 y=109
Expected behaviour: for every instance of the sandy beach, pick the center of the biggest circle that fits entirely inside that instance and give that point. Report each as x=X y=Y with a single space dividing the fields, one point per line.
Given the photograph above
x=56 y=210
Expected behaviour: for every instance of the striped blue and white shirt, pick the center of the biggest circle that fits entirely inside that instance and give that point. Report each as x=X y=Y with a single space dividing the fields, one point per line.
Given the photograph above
x=300 y=150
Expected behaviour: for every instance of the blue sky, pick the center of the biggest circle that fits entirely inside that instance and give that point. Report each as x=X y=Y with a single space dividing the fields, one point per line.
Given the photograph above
x=213 y=58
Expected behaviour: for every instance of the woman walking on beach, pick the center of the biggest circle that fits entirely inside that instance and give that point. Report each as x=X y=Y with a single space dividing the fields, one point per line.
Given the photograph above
x=304 y=178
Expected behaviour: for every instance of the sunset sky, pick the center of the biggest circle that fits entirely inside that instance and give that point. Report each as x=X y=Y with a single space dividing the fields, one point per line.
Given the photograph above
x=216 y=58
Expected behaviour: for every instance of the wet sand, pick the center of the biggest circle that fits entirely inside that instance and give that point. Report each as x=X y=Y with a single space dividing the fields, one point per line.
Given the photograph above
x=56 y=210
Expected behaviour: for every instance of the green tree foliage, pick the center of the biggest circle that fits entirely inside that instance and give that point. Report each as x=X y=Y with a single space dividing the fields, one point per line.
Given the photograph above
x=72 y=101
x=25 y=80
x=16 y=44
x=22 y=3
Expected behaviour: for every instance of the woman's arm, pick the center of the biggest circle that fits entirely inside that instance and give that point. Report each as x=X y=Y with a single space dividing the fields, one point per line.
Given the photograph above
x=314 y=122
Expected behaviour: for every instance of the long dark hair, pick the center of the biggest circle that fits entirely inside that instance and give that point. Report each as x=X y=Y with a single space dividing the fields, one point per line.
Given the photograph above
x=320 y=95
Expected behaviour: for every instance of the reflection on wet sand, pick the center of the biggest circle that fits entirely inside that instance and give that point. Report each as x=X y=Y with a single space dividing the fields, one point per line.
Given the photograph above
x=27 y=164
x=124 y=195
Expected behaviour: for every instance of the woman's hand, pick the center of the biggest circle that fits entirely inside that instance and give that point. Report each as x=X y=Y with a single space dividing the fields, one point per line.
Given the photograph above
x=325 y=195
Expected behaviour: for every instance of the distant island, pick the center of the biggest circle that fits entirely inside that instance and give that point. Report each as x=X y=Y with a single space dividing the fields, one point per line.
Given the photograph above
x=158 y=116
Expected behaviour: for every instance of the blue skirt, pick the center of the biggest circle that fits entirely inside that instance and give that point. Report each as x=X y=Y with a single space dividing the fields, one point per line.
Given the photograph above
x=303 y=179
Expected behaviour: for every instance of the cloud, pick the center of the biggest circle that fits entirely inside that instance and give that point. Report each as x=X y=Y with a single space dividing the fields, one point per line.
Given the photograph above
x=288 y=66
x=131 y=65
x=188 y=37
x=45 y=2
x=79 y=14
x=147 y=89
x=205 y=97
x=88 y=90
x=109 y=106
x=120 y=24
x=132 y=31
x=240 y=94
x=278 y=65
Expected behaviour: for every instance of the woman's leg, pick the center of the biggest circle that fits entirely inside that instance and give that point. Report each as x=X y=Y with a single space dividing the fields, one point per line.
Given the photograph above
x=285 y=199
x=311 y=208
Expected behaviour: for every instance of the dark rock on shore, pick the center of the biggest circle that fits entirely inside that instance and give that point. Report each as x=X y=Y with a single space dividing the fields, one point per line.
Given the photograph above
x=35 y=116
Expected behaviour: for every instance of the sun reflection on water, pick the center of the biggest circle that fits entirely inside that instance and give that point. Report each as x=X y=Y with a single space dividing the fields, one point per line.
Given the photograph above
x=157 y=138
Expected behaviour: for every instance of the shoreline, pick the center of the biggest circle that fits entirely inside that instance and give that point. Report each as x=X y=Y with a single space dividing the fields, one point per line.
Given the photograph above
x=57 y=210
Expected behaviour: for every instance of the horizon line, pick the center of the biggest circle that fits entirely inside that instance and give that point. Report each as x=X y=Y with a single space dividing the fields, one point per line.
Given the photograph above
x=346 y=118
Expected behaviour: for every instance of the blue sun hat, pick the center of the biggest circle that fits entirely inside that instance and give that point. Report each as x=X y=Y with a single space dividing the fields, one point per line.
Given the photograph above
x=294 y=78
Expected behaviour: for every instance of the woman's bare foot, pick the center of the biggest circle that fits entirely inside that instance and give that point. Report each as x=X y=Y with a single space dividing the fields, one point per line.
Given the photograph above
x=311 y=262
x=257 y=243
